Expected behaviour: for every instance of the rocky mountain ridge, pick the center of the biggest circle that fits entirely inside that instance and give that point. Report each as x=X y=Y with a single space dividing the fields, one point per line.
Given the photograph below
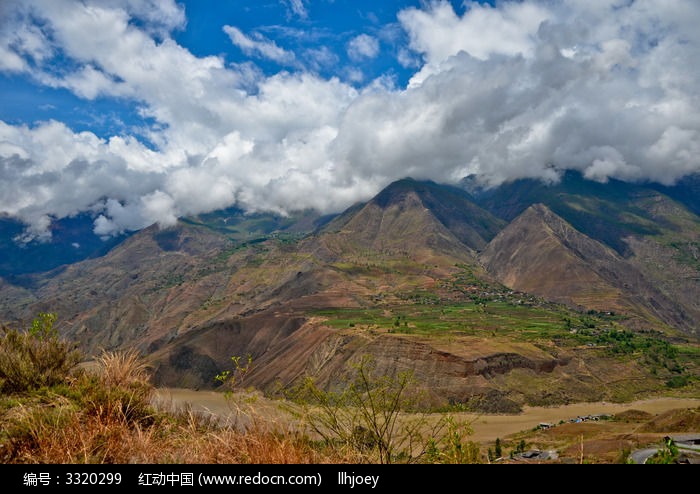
x=492 y=304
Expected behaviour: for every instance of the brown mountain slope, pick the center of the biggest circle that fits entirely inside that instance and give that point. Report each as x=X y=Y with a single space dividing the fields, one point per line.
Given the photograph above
x=389 y=278
x=370 y=257
x=671 y=259
x=413 y=216
x=541 y=253
x=403 y=250
x=188 y=293
x=402 y=228
x=135 y=293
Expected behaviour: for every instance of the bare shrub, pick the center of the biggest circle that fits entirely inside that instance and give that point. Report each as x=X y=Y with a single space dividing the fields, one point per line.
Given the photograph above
x=35 y=357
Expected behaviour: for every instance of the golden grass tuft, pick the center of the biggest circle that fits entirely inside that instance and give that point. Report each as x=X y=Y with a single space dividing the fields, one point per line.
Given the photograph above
x=107 y=417
x=123 y=369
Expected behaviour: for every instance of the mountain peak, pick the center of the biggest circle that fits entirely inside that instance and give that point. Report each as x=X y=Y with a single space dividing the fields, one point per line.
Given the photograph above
x=539 y=209
x=453 y=207
x=396 y=190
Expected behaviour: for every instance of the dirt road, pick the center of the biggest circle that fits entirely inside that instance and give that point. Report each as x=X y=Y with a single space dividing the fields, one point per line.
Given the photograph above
x=489 y=427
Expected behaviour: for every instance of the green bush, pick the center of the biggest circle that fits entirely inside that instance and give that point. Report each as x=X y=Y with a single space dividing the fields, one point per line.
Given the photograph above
x=667 y=454
x=376 y=416
x=34 y=358
x=453 y=447
x=678 y=381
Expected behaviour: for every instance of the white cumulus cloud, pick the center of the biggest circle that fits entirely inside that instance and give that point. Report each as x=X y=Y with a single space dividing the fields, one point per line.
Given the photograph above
x=521 y=89
x=258 y=45
x=363 y=46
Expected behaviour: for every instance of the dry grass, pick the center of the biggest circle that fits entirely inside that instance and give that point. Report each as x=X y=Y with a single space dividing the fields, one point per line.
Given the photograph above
x=94 y=439
x=123 y=369
x=106 y=415
x=35 y=357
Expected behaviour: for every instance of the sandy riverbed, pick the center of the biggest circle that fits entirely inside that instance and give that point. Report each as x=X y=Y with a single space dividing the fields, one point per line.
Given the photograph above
x=486 y=427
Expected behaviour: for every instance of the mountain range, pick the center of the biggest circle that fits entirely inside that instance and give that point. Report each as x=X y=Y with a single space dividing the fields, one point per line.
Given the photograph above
x=528 y=293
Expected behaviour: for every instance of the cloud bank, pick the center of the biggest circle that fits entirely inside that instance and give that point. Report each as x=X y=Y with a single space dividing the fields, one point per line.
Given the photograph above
x=523 y=89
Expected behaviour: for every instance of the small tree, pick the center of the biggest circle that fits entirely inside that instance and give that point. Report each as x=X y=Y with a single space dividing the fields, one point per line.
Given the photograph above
x=453 y=448
x=232 y=381
x=367 y=416
x=498 y=449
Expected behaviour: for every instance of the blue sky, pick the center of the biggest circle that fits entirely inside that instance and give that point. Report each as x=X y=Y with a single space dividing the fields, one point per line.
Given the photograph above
x=354 y=40
x=202 y=35
x=143 y=111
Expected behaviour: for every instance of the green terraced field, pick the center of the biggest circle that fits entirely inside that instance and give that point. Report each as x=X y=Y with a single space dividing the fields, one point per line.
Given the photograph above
x=521 y=322
x=599 y=332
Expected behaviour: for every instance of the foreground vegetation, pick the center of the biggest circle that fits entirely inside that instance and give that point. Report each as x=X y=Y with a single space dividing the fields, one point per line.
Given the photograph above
x=55 y=411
